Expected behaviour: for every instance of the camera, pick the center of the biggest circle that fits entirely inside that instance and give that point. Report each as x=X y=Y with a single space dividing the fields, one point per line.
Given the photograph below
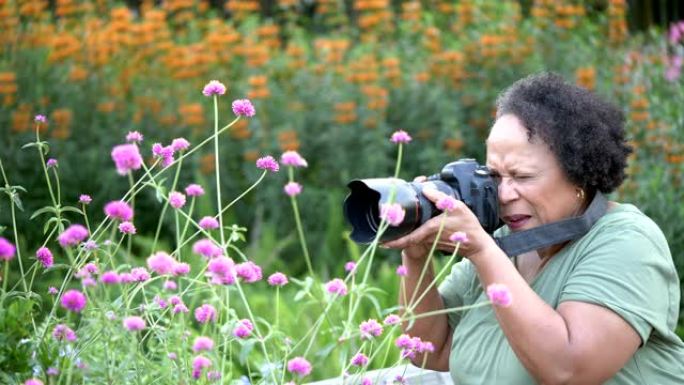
x=464 y=179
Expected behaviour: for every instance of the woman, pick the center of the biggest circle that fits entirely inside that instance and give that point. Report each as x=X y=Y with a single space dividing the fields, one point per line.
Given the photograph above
x=600 y=309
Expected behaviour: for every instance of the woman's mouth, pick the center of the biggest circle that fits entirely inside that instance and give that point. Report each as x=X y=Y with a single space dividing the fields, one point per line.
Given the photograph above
x=516 y=222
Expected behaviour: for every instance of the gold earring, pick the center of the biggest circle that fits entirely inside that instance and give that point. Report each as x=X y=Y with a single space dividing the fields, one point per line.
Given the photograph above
x=580 y=194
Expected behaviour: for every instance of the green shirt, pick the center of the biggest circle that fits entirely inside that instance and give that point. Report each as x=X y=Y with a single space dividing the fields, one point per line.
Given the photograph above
x=623 y=263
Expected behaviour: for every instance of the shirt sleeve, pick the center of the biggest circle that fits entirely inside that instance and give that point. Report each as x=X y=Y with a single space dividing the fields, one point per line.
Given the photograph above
x=455 y=287
x=628 y=271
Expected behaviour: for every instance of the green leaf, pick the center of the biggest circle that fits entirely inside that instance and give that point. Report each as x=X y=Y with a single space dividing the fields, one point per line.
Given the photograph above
x=72 y=209
x=247 y=347
x=17 y=202
x=41 y=211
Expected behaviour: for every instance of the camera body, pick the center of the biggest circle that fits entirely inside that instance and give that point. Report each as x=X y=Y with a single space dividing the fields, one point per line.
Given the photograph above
x=464 y=179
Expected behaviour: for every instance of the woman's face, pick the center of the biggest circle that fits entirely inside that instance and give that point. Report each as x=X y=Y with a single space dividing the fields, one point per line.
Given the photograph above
x=533 y=190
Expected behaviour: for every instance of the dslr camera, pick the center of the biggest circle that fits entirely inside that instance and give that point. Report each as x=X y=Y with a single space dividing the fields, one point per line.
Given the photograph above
x=464 y=179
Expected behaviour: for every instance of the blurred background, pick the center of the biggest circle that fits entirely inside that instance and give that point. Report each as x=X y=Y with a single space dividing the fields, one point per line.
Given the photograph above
x=330 y=79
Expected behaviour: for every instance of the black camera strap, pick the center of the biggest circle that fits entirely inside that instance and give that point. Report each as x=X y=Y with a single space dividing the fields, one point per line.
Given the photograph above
x=554 y=233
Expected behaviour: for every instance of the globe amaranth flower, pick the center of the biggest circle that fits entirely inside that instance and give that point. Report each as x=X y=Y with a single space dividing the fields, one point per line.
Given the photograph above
x=447 y=203
x=299 y=366
x=52 y=371
x=165 y=153
x=214 y=87
x=198 y=364
x=243 y=329
x=458 y=237
x=44 y=255
x=268 y=163
x=499 y=294
x=370 y=329
x=127 y=227
x=33 y=381
x=180 y=144
x=180 y=268
x=161 y=263
x=391 y=319
x=194 y=190
x=292 y=189
x=293 y=159
x=206 y=248
x=118 y=210
x=140 y=274
x=402 y=271
x=336 y=286
x=400 y=136
x=359 y=359
x=176 y=199
x=62 y=332
x=40 y=119
x=126 y=158
x=243 y=107
x=249 y=271
x=392 y=213
x=110 y=277
x=134 y=323
x=205 y=313
x=73 y=300
x=134 y=137
x=208 y=223
x=221 y=270
x=7 y=250
x=277 y=279
x=52 y=162
x=85 y=199
x=202 y=343
x=350 y=267
x=52 y=290
x=73 y=235
x=170 y=285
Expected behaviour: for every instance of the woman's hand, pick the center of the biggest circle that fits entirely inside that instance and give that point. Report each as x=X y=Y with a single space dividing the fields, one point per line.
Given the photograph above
x=418 y=243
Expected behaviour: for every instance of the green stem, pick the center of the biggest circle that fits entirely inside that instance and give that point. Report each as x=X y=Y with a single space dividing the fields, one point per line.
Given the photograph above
x=428 y=262
x=439 y=275
x=217 y=164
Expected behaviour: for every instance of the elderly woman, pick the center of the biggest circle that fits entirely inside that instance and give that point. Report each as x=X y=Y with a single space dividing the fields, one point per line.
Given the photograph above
x=599 y=309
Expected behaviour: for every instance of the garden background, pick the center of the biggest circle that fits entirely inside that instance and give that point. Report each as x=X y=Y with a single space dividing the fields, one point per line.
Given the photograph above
x=331 y=80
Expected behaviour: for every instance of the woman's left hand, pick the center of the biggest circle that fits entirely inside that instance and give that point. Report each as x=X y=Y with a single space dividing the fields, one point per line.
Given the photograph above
x=460 y=218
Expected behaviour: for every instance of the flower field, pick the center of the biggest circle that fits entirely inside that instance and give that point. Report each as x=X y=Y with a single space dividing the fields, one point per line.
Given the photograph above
x=159 y=226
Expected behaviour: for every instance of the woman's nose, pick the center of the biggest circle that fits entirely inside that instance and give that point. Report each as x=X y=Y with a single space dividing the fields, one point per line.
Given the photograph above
x=507 y=190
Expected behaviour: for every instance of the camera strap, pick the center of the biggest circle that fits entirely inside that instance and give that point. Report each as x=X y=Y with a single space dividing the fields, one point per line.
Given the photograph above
x=554 y=233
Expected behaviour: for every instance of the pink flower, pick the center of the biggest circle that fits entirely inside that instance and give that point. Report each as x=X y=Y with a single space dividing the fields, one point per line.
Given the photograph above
x=172 y=356
x=161 y=263
x=194 y=190
x=118 y=210
x=392 y=213
x=243 y=107
x=499 y=295
x=299 y=366
x=205 y=314
x=180 y=308
x=40 y=119
x=62 y=332
x=206 y=248
x=366 y=381
x=134 y=323
x=126 y=158
x=222 y=270
x=170 y=285
x=370 y=329
x=7 y=250
x=350 y=267
x=447 y=203
x=33 y=381
x=199 y=363
x=214 y=87
x=277 y=279
x=426 y=347
x=134 y=137
x=73 y=300
x=44 y=255
x=267 y=163
x=180 y=144
x=248 y=271
x=391 y=319
x=243 y=329
x=213 y=375
x=140 y=274
x=336 y=286
x=405 y=341
x=458 y=237
x=292 y=189
x=52 y=162
x=400 y=136
x=202 y=343
x=402 y=271
x=181 y=268
x=127 y=228
x=163 y=152
x=52 y=371
x=52 y=290
x=85 y=199
x=176 y=199
x=208 y=223
x=359 y=359
x=293 y=159
x=110 y=277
